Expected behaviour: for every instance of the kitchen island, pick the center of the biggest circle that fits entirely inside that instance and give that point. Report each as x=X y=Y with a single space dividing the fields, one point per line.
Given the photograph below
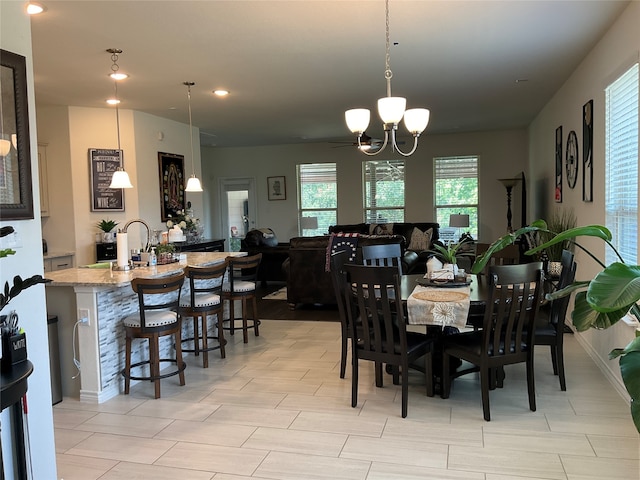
x=104 y=297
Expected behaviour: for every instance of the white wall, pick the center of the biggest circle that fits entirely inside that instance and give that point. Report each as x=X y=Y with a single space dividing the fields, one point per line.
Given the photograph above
x=15 y=37
x=502 y=154
x=70 y=132
x=615 y=52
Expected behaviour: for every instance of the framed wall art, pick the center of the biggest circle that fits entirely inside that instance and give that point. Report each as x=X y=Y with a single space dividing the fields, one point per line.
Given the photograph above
x=172 y=199
x=587 y=152
x=571 y=159
x=16 y=193
x=102 y=163
x=277 y=188
x=558 y=190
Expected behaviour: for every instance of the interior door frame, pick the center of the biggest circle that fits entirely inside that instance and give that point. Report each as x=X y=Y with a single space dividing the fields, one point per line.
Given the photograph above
x=228 y=184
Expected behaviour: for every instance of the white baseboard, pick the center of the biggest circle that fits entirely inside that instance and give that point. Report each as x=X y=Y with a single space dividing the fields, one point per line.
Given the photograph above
x=605 y=368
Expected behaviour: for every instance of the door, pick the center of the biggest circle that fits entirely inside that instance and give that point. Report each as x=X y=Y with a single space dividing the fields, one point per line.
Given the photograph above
x=238 y=209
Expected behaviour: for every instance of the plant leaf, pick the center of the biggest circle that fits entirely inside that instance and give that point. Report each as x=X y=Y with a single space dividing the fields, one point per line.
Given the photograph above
x=630 y=370
x=587 y=231
x=614 y=287
x=568 y=290
x=585 y=317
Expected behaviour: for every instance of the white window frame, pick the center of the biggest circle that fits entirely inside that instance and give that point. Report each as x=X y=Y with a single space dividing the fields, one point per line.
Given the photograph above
x=369 y=197
x=325 y=173
x=441 y=172
x=621 y=165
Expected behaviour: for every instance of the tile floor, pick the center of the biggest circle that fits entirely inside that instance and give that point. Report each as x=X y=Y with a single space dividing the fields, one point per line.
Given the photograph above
x=277 y=409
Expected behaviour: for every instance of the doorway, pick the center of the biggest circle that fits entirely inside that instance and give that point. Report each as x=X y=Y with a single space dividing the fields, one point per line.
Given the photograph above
x=238 y=209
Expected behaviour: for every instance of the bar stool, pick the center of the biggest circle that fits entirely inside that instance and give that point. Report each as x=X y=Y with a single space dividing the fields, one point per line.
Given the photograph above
x=158 y=300
x=241 y=285
x=203 y=301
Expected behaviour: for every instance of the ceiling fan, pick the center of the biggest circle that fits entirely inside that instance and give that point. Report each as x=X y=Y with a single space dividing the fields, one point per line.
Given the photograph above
x=366 y=141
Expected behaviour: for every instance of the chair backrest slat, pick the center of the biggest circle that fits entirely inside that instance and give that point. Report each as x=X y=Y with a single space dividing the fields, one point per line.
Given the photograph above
x=372 y=293
x=514 y=299
x=383 y=255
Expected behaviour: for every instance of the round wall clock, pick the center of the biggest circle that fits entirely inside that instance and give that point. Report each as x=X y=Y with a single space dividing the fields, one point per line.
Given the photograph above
x=571 y=160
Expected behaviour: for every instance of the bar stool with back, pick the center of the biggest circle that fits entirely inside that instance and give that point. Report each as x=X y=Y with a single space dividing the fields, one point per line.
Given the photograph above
x=158 y=316
x=240 y=284
x=204 y=300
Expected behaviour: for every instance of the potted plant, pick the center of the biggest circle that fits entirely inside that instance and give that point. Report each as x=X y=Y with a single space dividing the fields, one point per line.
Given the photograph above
x=599 y=303
x=559 y=221
x=107 y=227
x=165 y=252
x=9 y=291
x=447 y=253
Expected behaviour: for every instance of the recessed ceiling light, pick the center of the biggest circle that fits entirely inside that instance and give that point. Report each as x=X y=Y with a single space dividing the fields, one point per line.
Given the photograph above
x=521 y=80
x=34 y=8
x=113 y=101
x=221 y=93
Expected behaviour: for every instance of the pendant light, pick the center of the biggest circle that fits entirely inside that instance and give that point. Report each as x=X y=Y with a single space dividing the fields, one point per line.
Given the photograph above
x=193 y=184
x=391 y=111
x=120 y=178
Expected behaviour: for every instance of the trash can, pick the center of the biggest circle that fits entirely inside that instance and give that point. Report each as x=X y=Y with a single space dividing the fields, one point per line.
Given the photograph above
x=54 y=359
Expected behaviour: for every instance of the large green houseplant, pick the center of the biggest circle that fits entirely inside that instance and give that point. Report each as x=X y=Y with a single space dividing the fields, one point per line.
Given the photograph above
x=600 y=302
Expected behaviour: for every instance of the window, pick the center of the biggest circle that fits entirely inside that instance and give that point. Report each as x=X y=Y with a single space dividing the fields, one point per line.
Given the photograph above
x=456 y=191
x=384 y=191
x=318 y=198
x=621 y=166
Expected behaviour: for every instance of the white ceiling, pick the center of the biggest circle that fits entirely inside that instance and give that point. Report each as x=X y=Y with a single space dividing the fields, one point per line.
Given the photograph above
x=293 y=67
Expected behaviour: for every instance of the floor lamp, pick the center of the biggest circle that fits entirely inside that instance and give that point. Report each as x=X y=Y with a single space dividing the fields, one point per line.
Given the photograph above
x=509 y=183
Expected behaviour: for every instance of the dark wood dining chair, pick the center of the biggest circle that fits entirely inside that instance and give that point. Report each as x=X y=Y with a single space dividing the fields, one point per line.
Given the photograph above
x=388 y=255
x=509 y=255
x=383 y=339
x=157 y=316
x=506 y=337
x=204 y=300
x=550 y=322
x=240 y=284
x=337 y=262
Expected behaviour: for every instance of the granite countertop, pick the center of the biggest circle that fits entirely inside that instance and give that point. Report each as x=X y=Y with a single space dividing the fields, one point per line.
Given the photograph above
x=105 y=277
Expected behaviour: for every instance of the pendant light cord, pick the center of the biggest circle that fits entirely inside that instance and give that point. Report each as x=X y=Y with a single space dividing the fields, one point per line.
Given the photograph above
x=117 y=113
x=387 y=67
x=193 y=162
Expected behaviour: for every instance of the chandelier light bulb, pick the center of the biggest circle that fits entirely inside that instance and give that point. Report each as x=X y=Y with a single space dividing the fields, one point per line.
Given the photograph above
x=357 y=119
x=391 y=109
x=416 y=120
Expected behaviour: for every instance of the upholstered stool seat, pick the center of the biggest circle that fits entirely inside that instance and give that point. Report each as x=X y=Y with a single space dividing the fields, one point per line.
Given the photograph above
x=240 y=284
x=157 y=316
x=204 y=300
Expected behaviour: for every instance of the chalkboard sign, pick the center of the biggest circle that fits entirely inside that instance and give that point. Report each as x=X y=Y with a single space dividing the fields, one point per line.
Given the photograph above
x=103 y=162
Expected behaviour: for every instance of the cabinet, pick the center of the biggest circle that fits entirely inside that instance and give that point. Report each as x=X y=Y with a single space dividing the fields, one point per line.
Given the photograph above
x=58 y=263
x=210 y=245
x=43 y=174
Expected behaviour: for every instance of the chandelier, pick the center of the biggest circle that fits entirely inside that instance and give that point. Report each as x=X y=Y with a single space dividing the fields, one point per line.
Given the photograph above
x=391 y=111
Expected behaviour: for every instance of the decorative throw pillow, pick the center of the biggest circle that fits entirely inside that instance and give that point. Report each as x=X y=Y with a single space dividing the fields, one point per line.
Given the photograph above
x=420 y=240
x=381 y=229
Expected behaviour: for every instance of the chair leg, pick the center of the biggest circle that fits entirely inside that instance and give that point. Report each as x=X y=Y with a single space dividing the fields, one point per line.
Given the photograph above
x=255 y=317
x=196 y=335
x=428 y=373
x=445 y=381
x=245 y=335
x=484 y=388
x=232 y=316
x=377 y=370
x=223 y=353
x=179 y=360
x=531 y=384
x=205 y=343
x=554 y=358
x=560 y=362
x=154 y=363
x=127 y=365
x=405 y=387
x=343 y=350
x=354 y=379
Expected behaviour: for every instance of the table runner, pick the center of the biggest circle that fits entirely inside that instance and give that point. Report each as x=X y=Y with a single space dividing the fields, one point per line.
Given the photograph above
x=439 y=306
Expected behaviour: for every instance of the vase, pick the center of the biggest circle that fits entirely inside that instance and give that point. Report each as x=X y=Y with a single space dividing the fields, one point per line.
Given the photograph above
x=554 y=269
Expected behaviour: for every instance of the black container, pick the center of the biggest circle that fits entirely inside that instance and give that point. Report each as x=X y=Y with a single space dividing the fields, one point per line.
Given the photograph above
x=14 y=350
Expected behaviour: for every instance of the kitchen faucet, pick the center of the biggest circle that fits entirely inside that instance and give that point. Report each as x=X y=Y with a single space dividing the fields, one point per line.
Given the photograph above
x=139 y=220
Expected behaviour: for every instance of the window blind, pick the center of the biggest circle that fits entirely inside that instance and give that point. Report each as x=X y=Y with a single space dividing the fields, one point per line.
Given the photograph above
x=318 y=197
x=621 y=170
x=384 y=191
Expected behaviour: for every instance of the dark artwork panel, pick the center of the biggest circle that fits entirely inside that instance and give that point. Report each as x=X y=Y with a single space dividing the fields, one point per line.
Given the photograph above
x=558 y=190
x=587 y=152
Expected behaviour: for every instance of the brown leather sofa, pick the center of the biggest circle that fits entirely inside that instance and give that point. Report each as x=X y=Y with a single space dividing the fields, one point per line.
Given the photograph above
x=308 y=281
